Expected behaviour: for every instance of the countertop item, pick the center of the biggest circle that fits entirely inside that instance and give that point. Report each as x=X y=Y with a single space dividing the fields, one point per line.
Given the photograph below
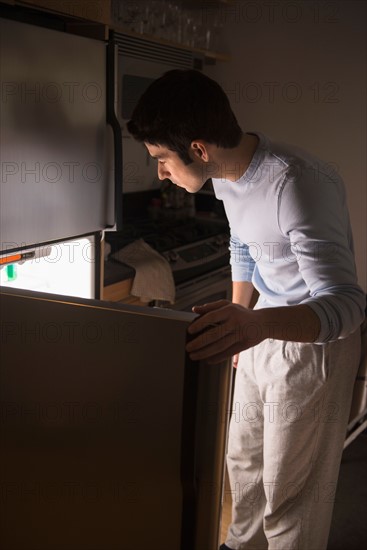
x=153 y=275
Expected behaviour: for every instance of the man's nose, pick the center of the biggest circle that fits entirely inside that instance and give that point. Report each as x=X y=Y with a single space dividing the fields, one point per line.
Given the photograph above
x=163 y=173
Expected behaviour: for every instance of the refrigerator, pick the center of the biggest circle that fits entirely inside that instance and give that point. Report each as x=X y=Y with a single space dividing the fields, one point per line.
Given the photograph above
x=110 y=436
x=61 y=153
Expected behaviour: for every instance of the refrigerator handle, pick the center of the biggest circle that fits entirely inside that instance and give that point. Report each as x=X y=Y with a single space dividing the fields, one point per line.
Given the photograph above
x=112 y=120
x=188 y=454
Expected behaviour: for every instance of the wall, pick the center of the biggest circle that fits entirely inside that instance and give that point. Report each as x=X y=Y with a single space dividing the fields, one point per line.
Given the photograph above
x=298 y=74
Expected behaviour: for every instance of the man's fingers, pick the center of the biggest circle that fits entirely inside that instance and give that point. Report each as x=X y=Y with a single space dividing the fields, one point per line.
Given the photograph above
x=214 y=356
x=222 y=330
x=209 y=337
x=205 y=308
x=211 y=319
x=215 y=351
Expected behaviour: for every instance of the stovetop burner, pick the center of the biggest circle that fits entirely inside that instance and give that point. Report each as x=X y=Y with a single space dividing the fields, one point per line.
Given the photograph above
x=192 y=246
x=165 y=235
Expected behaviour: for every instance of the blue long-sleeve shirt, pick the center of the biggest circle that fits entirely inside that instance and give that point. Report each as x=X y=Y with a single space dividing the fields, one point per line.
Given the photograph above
x=291 y=236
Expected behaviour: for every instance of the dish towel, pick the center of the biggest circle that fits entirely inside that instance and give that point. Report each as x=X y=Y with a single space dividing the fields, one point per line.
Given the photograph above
x=153 y=279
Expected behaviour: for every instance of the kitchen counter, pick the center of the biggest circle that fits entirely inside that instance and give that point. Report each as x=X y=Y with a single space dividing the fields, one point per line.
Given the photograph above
x=115 y=272
x=117 y=283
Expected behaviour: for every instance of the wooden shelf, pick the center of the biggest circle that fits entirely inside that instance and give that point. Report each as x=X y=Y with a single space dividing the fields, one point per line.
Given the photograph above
x=94 y=19
x=98 y=11
x=207 y=3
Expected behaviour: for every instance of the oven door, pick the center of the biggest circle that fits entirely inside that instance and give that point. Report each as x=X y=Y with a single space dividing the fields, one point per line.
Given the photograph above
x=216 y=285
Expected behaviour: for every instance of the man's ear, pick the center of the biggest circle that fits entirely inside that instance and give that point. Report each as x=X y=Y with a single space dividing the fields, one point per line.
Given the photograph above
x=199 y=150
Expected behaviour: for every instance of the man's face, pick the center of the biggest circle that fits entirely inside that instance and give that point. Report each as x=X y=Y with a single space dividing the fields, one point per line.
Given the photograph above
x=190 y=177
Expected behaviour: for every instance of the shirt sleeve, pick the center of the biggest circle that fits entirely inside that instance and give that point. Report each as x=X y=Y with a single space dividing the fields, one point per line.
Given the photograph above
x=314 y=216
x=242 y=264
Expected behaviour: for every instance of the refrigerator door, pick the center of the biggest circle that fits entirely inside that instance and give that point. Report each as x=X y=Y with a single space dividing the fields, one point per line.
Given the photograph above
x=111 y=438
x=57 y=179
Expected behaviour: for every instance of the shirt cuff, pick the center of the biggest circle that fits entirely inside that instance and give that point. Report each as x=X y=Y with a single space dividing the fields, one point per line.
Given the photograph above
x=239 y=274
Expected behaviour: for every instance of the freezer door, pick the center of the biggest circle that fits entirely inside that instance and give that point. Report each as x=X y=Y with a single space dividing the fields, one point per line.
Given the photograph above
x=55 y=145
x=111 y=438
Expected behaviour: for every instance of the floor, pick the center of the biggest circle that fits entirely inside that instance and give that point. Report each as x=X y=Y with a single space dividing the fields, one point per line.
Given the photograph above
x=349 y=525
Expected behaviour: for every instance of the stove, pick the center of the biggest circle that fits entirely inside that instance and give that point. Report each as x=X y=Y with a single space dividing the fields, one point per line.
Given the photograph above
x=192 y=246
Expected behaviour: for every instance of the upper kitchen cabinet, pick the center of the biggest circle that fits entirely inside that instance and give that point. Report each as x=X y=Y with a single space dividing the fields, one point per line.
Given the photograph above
x=97 y=10
x=187 y=24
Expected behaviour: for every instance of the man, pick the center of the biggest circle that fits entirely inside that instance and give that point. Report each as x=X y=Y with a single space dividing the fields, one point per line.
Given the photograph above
x=299 y=347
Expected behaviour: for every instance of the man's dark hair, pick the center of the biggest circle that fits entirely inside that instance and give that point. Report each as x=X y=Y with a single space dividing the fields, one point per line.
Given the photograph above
x=181 y=106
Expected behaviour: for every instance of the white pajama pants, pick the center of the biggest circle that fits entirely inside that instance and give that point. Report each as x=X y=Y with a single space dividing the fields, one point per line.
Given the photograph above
x=289 y=417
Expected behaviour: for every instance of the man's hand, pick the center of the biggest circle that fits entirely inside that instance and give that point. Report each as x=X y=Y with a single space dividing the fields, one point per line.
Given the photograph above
x=223 y=329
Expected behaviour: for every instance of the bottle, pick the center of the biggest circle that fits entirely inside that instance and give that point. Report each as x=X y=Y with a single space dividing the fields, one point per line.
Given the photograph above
x=11 y=272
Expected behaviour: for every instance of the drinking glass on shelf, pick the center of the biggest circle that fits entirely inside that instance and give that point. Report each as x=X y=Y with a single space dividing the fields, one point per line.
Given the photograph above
x=126 y=13
x=169 y=20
